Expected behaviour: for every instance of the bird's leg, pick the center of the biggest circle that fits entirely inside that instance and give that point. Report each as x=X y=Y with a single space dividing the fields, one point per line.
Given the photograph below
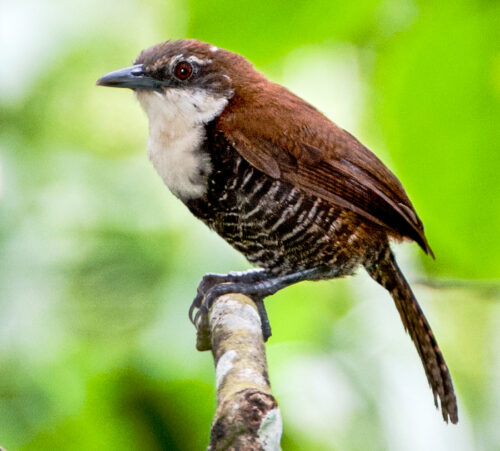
x=257 y=285
x=264 y=319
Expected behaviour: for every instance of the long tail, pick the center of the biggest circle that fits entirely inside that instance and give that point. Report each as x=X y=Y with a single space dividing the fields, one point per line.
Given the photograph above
x=387 y=273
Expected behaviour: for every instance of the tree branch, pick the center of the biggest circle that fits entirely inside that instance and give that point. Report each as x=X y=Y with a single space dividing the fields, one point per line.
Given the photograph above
x=247 y=415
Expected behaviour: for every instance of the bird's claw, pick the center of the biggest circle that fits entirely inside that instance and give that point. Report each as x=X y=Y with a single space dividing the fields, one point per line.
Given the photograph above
x=202 y=310
x=206 y=284
x=210 y=288
x=204 y=300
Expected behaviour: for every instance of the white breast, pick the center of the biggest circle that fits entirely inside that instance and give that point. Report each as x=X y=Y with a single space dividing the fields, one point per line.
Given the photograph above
x=177 y=121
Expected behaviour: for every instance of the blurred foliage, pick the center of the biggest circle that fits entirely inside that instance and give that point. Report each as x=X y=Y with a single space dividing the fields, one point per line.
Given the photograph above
x=449 y=126
x=99 y=263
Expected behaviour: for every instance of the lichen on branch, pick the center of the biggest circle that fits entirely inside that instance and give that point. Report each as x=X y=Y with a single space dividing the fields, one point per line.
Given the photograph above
x=247 y=415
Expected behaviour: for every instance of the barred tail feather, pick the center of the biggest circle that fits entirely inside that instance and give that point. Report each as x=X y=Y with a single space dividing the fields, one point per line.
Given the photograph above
x=386 y=272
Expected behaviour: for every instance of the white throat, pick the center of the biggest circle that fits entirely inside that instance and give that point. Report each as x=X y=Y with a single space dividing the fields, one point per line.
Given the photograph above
x=177 y=121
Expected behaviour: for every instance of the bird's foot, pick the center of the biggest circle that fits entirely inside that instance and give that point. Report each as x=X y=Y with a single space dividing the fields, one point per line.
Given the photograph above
x=214 y=285
x=256 y=284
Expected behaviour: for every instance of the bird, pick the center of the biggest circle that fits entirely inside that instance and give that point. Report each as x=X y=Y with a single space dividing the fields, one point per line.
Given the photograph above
x=297 y=195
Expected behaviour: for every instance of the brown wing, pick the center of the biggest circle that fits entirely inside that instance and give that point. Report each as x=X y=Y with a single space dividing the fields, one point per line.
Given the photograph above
x=317 y=156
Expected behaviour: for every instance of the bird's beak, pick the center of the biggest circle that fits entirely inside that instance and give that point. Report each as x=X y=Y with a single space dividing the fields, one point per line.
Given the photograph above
x=132 y=77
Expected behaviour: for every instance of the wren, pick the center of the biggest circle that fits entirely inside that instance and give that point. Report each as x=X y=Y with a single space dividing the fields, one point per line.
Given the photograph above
x=298 y=196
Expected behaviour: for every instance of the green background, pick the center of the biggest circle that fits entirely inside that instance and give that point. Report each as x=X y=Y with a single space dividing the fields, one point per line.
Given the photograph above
x=99 y=262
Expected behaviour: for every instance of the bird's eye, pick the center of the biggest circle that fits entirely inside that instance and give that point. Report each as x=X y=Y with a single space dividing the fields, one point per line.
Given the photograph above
x=183 y=70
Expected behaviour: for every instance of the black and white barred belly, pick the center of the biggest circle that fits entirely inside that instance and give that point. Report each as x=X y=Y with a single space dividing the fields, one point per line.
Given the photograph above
x=272 y=223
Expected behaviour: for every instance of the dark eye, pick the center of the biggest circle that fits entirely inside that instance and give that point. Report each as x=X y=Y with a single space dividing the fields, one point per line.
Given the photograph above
x=183 y=70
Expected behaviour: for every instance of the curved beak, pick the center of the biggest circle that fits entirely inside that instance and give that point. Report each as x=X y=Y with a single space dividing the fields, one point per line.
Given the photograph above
x=132 y=77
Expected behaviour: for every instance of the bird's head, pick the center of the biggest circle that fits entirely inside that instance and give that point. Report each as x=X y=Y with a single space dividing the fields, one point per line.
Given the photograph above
x=186 y=77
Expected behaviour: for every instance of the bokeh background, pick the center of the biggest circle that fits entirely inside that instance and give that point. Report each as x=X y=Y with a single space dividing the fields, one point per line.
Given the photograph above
x=99 y=262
